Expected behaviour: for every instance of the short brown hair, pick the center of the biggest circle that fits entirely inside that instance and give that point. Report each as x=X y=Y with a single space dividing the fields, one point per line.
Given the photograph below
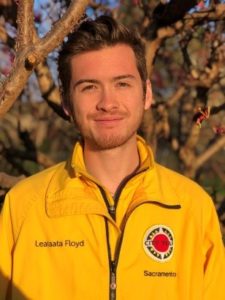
x=95 y=35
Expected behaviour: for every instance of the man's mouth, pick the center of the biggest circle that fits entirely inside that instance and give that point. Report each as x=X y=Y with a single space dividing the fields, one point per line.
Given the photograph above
x=108 y=120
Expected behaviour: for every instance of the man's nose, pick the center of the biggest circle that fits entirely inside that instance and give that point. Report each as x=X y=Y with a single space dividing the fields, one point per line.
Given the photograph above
x=108 y=100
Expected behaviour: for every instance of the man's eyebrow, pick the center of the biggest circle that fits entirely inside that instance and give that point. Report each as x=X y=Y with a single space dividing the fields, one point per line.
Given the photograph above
x=81 y=81
x=78 y=82
x=126 y=76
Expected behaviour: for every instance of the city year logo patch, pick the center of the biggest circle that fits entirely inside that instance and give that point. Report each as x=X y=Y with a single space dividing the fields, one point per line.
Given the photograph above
x=158 y=243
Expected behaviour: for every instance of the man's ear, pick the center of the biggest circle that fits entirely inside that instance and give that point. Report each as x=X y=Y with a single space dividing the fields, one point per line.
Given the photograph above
x=66 y=109
x=64 y=103
x=148 y=95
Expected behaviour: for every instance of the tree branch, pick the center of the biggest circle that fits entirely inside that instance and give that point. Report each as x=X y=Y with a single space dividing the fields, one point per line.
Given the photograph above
x=31 y=54
x=5 y=38
x=62 y=27
x=218 y=12
x=176 y=96
x=7 y=181
x=153 y=46
x=219 y=172
x=190 y=20
x=14 y=84
x=50 y=92
x=25 y=22
x=3 y=34
x=202 y=158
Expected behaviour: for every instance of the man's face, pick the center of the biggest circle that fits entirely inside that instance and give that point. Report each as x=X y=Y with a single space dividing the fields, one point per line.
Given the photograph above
x=106 y=94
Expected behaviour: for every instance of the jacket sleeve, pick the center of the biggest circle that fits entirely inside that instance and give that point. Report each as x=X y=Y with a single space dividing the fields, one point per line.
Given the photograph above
x=214 y=254
x=6 y=246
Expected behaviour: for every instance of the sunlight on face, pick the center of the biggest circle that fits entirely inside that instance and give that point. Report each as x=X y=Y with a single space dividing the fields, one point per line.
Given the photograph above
x=107 y=96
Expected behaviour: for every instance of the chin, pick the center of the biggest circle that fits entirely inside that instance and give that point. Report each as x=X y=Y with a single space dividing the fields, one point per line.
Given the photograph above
x=109 y=142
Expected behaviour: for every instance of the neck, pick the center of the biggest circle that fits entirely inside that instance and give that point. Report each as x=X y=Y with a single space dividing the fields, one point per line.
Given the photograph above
x=111 y=166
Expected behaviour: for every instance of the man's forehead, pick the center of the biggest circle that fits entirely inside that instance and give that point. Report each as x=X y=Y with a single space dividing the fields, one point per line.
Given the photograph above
x=118 y=60
x=118 y=50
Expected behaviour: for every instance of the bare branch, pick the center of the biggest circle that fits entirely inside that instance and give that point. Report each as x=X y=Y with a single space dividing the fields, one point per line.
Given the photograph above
x=62 y=28
x=5 y=38
x=46 y=84
x=50 y=92
x=176 y=97
x=186 y=152
x=44 y=160
x=193 y=163
x=7 y=181
x=13 y=85
x=33 y=50
x=3 y=34
x=25 y=22
x=209 y=153
x=153 y=46
x=217 y=169
x=190 y=20
x=207 y=79
x=211 y=14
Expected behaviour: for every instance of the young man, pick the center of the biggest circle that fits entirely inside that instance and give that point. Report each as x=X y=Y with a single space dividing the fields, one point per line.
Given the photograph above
x=110 y=223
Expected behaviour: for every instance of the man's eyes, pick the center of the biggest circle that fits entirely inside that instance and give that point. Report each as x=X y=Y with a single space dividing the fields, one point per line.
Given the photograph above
x=93 y=87
x=88 y=87
x=123 y=84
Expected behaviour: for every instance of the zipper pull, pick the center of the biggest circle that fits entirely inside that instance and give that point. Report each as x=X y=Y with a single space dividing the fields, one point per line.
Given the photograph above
x=112 y=211
x=112 y=282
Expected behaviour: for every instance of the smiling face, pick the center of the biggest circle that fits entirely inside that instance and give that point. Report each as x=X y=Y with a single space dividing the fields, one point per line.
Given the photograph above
x=106 y=94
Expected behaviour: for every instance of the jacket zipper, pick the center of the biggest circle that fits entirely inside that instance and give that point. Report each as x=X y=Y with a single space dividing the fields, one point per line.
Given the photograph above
x=112 y=211
x=112 y=274
x=113 y=281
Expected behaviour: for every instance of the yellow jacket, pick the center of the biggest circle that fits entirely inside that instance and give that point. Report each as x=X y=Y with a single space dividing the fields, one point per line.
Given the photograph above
x=62 y=236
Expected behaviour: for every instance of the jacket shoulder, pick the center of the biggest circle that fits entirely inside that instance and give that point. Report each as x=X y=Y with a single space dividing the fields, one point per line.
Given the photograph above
x=185 y=188
x=36 y=184
x=32 y=190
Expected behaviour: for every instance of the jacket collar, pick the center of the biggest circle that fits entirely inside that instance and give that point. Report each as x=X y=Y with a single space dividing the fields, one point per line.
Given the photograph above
x=145 y=154
x=69 y=190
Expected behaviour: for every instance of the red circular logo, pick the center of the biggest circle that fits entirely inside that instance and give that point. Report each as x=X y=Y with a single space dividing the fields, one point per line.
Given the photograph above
x=159 y=242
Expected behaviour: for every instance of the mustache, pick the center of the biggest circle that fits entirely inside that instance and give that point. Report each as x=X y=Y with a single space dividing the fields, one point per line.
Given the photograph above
x=100 y=115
